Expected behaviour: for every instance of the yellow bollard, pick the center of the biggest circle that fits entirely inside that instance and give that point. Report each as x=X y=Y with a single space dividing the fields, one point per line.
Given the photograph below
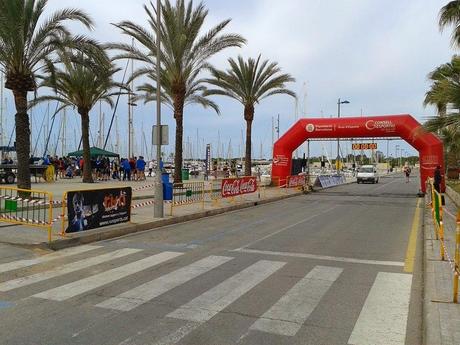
x=202 y=196
x=441 y=239
x=50 y=216
x=457 y=258
x=64 y=203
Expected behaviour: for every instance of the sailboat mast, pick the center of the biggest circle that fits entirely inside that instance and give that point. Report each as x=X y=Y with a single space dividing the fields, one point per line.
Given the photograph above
x=117 y=134
x=1 y=109
x=63 y=137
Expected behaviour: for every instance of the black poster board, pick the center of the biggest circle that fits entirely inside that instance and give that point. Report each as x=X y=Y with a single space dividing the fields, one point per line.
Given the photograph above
x=92 y=209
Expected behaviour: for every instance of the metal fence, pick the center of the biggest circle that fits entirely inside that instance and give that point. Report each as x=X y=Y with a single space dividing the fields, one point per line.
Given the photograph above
x=187 y=193
x=27 y=207
x=437 y=214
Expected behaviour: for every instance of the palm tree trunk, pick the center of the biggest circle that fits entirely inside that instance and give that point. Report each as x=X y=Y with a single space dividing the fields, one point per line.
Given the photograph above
x=87 y=176
x=248 y=158
x=22 y=138
x=179 y=116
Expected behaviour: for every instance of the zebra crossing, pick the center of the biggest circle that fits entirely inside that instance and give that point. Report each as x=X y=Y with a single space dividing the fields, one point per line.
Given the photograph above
x=382 y=320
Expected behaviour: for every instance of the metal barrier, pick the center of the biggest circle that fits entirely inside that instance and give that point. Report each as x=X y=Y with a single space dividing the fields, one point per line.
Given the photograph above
x=27 y=207
x=214 y=191
x=437 y=216
x=295 y=181
x=187 y=193
x=457 y=258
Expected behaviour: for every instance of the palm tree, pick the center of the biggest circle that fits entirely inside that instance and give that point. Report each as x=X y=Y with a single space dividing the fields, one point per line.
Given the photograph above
x=445 y=82
x=444 y=94
x=25 y=47
x=249 y=82
x=184 y=54
x=450 y=15
x=82 y=82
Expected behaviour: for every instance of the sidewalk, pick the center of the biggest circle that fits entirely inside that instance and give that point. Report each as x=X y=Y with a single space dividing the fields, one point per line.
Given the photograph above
x=141 y=218
x=441 y=316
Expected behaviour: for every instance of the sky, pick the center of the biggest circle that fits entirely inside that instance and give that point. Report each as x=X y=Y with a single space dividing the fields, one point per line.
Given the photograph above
x=374 y=53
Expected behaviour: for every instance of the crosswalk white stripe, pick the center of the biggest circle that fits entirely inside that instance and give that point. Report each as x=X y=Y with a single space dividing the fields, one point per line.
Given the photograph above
x=383 y=319
x=210 y=303
x=65 y=269
x=14 y=265
x=287 y=315
x=78 y=287
x=154 y=288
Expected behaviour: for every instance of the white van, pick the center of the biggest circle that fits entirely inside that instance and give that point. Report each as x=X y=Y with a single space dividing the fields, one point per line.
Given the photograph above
x=367 y=173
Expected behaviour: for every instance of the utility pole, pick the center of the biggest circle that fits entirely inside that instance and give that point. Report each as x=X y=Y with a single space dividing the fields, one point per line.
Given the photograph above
x=278 y=127
x=158 y=210
x=388 y=155
x=337 y=163
x=273 y=134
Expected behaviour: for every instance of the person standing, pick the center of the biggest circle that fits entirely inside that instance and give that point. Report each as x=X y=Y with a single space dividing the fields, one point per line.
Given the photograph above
x=140 y=168
x=126 y=170
x=151 y=166
x=437 y=179
x=407 y=172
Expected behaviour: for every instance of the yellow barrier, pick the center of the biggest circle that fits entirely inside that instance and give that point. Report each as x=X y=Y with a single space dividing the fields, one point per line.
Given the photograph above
x=457 y=258
x=214 y=191
x=27 y=207
x=187 y=193
x=437 y=215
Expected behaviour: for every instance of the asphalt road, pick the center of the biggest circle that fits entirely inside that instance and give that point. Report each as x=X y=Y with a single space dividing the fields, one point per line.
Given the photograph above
x=323 y=269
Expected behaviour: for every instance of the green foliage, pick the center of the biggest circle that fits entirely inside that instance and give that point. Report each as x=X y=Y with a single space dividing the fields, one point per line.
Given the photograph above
x=185 y=52
x=27 y=41
x=449 y=15
x=249 y=81
x=81 y=80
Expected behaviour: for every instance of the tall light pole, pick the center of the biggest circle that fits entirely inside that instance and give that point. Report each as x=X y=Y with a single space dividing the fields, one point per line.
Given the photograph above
x=337 y=163
x=158 y=211
x=396 y=154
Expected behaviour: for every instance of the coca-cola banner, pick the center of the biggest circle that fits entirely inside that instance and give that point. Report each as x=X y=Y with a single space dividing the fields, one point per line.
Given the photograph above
x=238 y=186
x=295 y=181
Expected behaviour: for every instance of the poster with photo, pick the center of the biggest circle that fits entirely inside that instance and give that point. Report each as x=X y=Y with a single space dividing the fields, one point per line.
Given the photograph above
x=92 y=209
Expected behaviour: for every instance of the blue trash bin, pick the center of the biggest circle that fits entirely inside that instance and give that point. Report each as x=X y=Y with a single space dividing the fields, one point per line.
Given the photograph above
x=167 y=191
x=165 y=177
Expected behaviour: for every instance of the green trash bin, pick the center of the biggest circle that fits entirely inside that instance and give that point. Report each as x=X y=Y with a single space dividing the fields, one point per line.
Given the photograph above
x=185 y=174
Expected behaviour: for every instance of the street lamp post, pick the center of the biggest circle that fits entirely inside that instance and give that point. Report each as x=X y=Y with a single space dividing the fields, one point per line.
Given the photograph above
x=158 y=211
x=337 y=163
x=396 y=155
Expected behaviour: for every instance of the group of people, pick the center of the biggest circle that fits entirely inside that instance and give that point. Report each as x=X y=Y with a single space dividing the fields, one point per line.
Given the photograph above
x=132 y=169
x=102 y=168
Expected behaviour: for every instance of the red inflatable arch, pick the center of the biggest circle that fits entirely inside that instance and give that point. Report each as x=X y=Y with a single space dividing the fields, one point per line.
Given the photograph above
x=429 y=146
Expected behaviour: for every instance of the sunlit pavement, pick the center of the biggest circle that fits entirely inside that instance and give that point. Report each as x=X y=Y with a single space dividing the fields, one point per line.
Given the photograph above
x=324 y=268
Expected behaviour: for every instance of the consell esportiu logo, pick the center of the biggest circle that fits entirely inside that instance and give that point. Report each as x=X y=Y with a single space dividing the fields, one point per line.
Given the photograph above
x=383 y=124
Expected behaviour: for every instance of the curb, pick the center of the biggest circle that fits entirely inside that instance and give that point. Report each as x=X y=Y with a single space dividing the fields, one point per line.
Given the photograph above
x=105 y=234
x=453 y=195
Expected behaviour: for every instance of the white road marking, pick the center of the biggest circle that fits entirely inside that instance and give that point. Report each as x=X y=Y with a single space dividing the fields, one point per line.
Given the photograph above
x=78 y=287
x=322 y=257
x=10 y=266
x=287 y=315
x=154 y=288
x=210 y=303
x=383 y=319
x=288 y=227
x=65 y=269
x=177 y=335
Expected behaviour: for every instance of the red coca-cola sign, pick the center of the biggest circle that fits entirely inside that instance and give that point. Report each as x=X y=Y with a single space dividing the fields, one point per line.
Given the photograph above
x=295 y=181
x=238 y=186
